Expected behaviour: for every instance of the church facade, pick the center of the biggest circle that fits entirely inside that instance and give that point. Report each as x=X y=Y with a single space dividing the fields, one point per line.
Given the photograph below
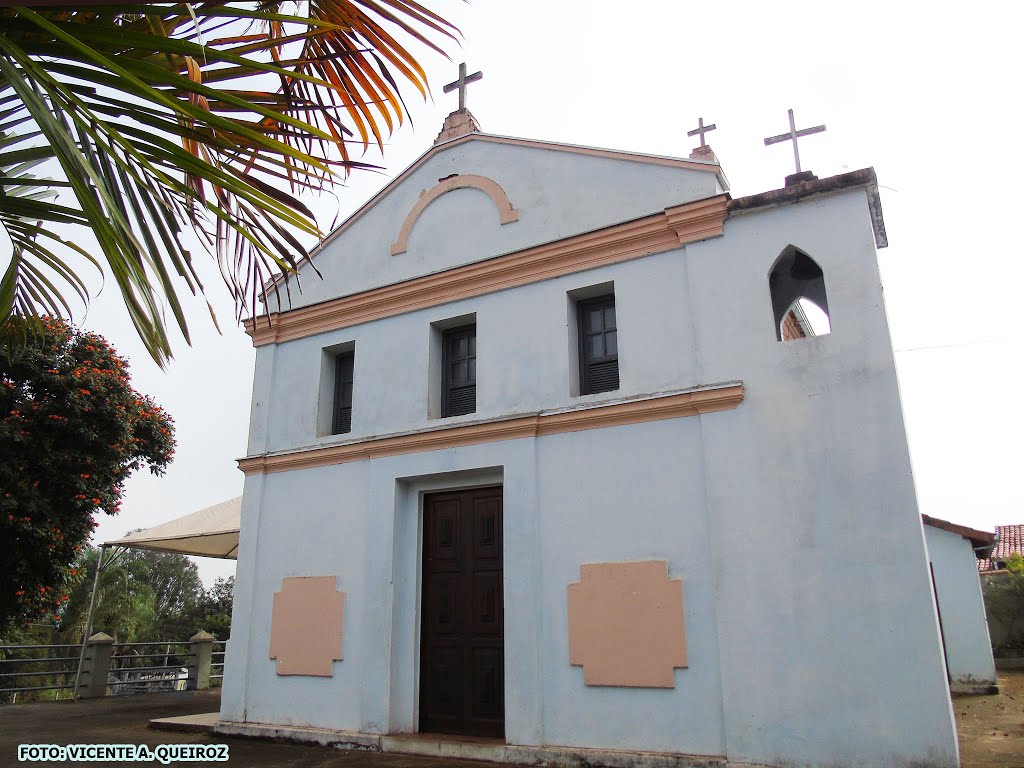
x=538 y=461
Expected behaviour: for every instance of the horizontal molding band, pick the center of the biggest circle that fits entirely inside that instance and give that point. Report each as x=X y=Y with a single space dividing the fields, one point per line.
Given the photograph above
x=692 y=403
x=663 y=231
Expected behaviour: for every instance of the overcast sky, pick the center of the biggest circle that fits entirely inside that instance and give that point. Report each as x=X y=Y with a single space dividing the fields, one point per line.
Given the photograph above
x=926 y=94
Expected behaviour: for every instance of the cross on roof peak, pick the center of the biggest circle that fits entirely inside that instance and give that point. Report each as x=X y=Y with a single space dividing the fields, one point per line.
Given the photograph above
x=793 y=135
x=701 y=129
x=461 y=84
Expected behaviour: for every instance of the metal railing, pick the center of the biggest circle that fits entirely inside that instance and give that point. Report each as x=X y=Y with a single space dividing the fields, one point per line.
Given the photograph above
x=217 y=660
x=108 y=668
x=28 y=668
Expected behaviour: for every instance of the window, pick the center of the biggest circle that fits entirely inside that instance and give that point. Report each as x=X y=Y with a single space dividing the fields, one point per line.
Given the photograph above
x=344 y=366
x=459 y=370
x=599 y=346
x=799 y=302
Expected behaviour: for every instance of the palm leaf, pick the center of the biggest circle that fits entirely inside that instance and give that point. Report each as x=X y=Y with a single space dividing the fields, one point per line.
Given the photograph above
x=158 y=119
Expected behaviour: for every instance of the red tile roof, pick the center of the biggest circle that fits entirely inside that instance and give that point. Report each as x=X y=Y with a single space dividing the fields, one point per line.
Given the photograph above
x=1010 y=541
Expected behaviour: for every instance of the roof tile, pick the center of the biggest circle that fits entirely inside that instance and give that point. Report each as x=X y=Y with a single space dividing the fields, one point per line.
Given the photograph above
x=1010 y=541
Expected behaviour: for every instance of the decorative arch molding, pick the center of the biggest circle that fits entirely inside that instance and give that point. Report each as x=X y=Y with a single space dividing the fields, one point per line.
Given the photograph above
x=506 y=212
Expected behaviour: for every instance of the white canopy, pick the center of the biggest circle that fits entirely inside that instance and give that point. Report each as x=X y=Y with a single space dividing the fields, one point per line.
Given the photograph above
x=210 y=532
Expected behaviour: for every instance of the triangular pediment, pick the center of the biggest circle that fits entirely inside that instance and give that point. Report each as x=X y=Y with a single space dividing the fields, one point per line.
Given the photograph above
x=481 y=195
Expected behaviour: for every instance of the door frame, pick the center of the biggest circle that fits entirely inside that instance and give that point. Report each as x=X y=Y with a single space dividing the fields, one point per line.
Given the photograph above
x=407 y=584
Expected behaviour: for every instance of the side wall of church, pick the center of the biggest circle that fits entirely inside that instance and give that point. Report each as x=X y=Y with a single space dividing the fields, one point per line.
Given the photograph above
x=826 y=617
x=791 y=520
x=961 y=608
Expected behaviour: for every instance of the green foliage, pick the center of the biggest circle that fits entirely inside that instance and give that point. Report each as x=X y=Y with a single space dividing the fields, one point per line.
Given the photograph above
x=142 y=597
x=35 y=634
x=211 y=611
x=72 y=429
x=1015 y=563
x=1004 y=602
x=125 y=605
x=146 y=596
x=215 y=616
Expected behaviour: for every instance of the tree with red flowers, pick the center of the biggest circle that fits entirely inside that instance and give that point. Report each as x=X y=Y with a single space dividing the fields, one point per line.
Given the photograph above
x=72 y=429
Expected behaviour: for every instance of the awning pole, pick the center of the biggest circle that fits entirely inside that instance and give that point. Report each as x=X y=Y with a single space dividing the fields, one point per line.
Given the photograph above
x=88 y=619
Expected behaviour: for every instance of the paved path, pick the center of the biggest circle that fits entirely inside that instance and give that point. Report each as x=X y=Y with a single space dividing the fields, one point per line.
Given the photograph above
x=124 y=720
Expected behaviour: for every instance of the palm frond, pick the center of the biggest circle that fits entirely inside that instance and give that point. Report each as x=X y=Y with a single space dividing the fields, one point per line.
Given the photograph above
x=157 y=119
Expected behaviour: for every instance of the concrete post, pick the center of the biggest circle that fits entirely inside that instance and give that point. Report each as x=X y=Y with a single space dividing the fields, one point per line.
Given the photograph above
x=201 y=647
x=98 y=650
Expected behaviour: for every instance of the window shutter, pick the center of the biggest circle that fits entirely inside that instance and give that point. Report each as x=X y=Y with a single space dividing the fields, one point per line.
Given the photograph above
x=603 y=377
x=462 y=400
x=459 y=363
x=599 y=345
x=343 y=380
x=344 y=421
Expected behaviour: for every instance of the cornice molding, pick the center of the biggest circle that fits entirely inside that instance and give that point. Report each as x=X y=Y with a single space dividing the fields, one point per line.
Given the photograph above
x=691 y=403
x=864 y=178
x=680 y=225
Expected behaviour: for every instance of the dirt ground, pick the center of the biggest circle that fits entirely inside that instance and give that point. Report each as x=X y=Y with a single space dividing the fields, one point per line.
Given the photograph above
x=991 y=728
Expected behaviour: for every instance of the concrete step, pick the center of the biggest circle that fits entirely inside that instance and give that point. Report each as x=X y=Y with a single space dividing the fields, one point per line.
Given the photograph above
x=201 y=723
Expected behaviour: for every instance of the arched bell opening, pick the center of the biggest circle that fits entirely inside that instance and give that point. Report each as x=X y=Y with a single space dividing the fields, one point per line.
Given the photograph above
x=799 y=302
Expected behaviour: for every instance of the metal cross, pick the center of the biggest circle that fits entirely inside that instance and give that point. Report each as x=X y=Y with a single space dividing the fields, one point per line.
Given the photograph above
x=461 y=84
x=701 y=129
x=793 y=135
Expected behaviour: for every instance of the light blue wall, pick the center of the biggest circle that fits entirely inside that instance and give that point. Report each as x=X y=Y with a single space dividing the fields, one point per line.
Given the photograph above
x=792 y=519
x=961 y=608
x=629 y=493
x=818 y=546
x=559 y=512
x=523 y=341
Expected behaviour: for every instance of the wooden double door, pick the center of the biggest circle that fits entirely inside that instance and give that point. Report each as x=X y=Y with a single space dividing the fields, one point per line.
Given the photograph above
x=462 y=685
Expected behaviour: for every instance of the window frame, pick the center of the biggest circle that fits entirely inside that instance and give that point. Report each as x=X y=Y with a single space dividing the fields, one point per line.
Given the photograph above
x=450 y=336
x=604 y=301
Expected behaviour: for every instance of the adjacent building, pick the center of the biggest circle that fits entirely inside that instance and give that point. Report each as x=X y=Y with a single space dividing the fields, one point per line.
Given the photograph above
x=953 y=554
x=1009 y=542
